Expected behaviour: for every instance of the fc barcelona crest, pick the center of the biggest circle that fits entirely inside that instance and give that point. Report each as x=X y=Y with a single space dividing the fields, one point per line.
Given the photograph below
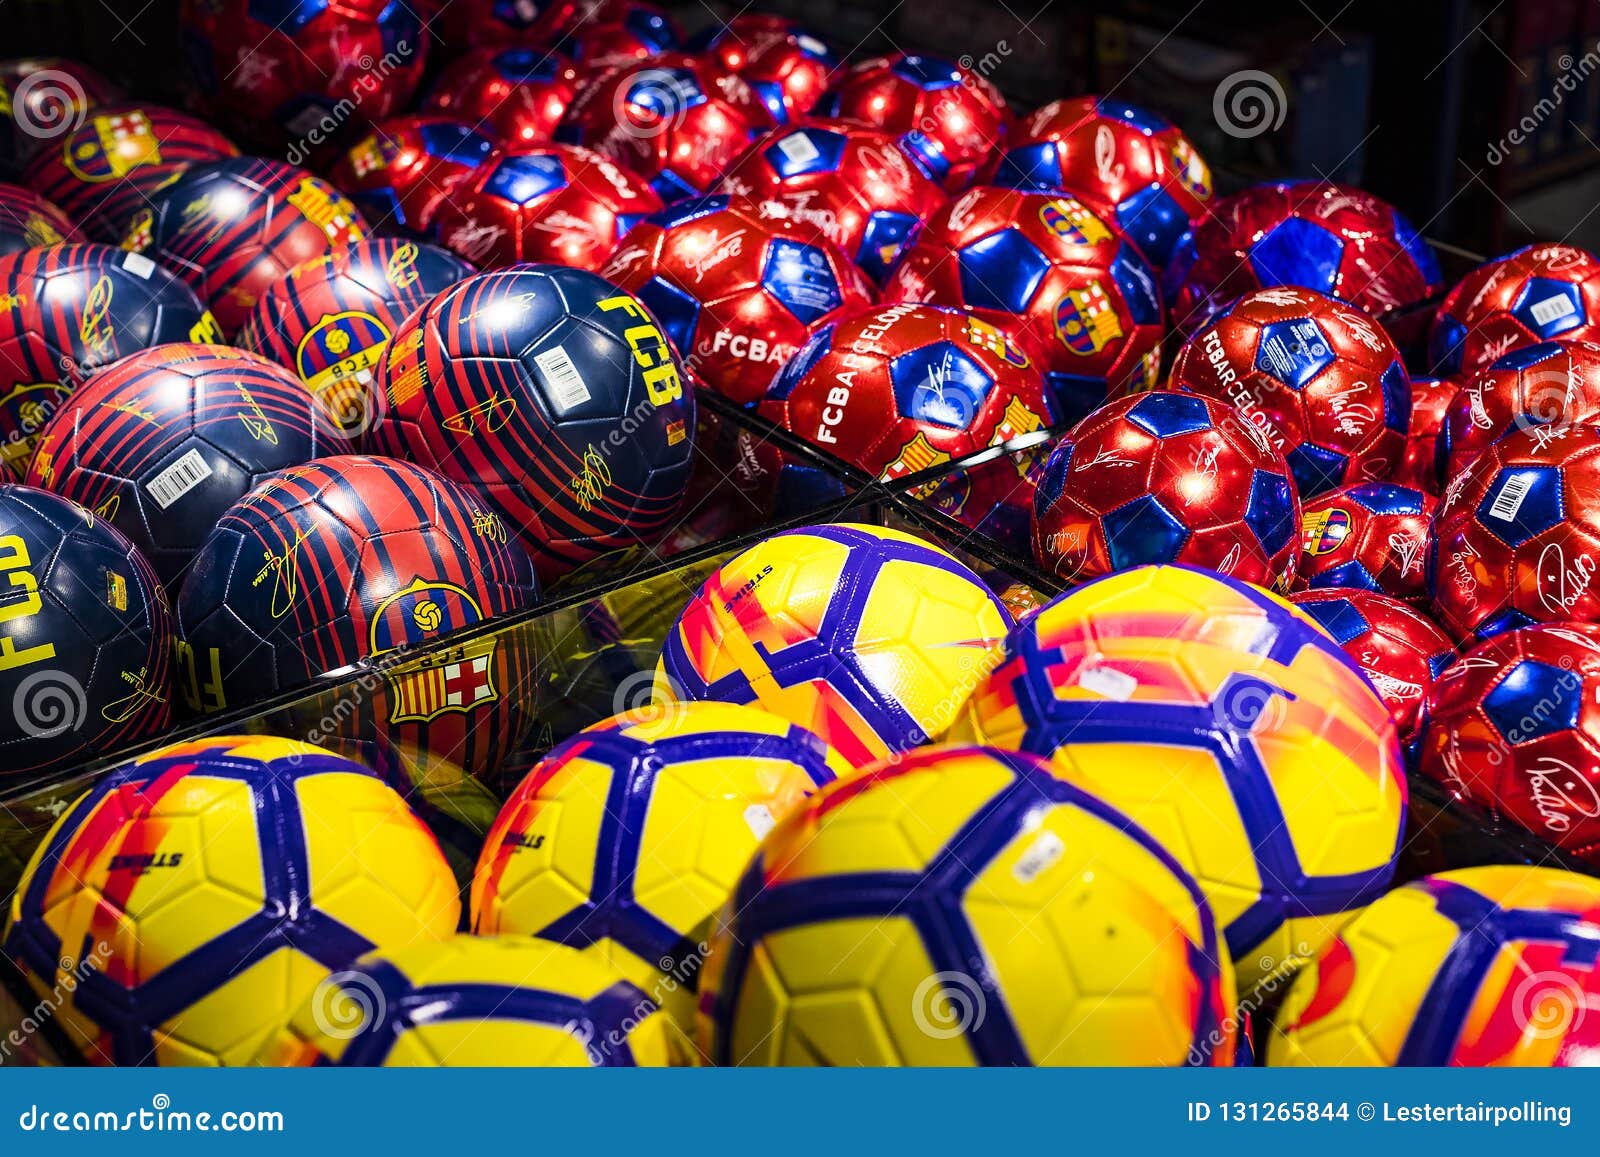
x=337 y=359
x=1086 y=320
x=110 y=146
x=460 y=679
x=1322 y=531
x=1071 y=220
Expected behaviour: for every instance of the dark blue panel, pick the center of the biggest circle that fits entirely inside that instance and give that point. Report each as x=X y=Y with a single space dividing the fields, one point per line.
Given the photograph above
x=799 y=276
x=940 y=385
x=1271 y=511
x=1316 y=468
x=1142 y=532
x=523 y=179
x=1534 y=700
x=1549 y=307
x=1001 y=271
x=1298 y=252
x=805 y=151
x=1522 y=501
x=1293 y=351
x=1339 y=617
x=1166 y=413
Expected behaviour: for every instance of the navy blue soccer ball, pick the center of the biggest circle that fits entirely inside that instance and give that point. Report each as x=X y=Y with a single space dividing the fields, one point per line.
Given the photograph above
x=161 y=444
x=554 y=393
x=85 y=638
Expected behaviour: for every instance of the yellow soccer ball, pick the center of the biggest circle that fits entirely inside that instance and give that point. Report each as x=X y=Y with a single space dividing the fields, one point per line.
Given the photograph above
x=1232 y=728
x=868 y=637
x=474 y=1001
x=628 y=837
x=1483 y=966
x=961 y=906
x=192 y=897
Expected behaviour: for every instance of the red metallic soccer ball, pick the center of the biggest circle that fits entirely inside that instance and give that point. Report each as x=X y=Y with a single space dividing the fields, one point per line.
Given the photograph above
x=675 y=119
x=790 y=74
x=302 y=74
x=733 y=42
x=1163 y=477
x=1513 y=727
x=1319 y=378
x=1331 y=238
x=1535 y=294
x=737 y=294
x=1537 y=385
x=950 y=117
x=468 y=24
x=1371 y=535
x=898 y=389
x=615 y=33
x=1430 y=400
x=1401 y=649
x=400 y=171
x=1516 y=540
x=105 y=168
x=517 y=95
x=1132 y=166
x=556 y=203
x=854 y=183
x=1073 y=290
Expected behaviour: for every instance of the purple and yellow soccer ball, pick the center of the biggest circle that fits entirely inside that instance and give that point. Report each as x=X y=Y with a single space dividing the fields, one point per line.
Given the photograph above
x=189 y=900
x=869 y=638
x=625 y=840
x=1232 y=727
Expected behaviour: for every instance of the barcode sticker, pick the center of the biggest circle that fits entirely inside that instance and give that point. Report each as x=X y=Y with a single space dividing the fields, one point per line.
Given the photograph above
x=1552 y=309
x=567 y=390
x=1041 y=855
x=1118 y=685
x=759 y=819
x=178 y=479
x=798 y=149
x=139 y=265
x=1509 y=500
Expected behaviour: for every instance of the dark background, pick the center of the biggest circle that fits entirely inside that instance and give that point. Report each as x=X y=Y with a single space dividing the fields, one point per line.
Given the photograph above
x=1411 y=98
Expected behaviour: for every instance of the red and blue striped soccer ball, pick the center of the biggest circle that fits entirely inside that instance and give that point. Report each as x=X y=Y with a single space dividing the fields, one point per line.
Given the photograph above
x=331 y=319
x=161 y=444
x=86 y=637
x=353 y=557
x=231 y=228
x=68 y=310
x=101 y=172
x=28 y=221
x=556 y=395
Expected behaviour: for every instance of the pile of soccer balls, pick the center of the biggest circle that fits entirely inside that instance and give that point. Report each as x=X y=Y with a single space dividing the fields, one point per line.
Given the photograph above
x=263 y=419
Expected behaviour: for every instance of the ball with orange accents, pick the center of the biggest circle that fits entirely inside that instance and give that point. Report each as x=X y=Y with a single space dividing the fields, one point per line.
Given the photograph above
x=868 y=637
x=1229 y=725
x=1483 y=966
x=965 y=906
x=625 y=839
x=195 y=895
